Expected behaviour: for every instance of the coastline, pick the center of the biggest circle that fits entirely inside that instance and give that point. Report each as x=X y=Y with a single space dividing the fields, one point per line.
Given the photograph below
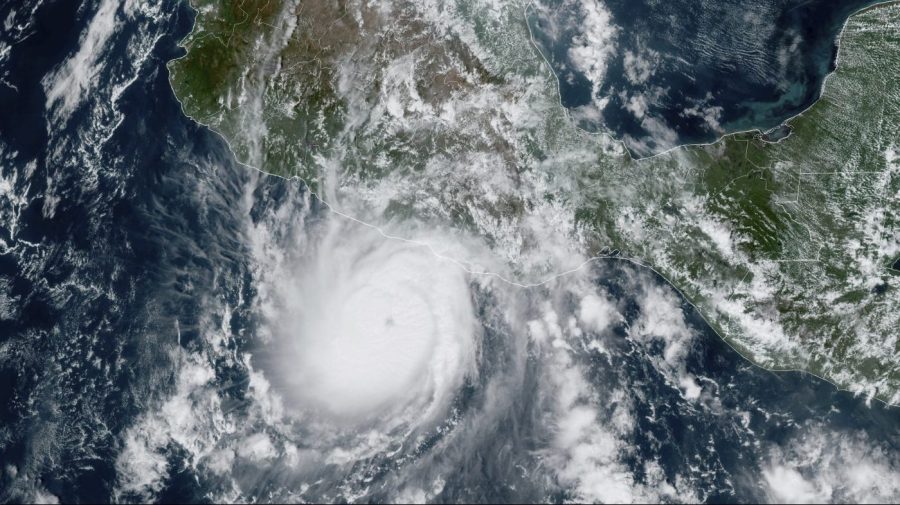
x=757 y=131
x=521 y=283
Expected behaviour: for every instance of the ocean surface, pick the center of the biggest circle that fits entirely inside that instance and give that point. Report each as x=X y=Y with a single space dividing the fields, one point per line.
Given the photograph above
x=662 y=74
x=125 y=257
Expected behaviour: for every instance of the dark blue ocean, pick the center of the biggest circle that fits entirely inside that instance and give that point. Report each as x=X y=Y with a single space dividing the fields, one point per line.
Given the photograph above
x=120 y=226
x=689 y=72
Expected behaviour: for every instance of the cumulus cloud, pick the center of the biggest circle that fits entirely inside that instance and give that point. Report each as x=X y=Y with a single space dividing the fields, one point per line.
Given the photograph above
x=822 y=466
x=597 y=313
x=181 y=420
x=640 y=64
x=591 y=424
x=710 y=114
x=593 y=45
x=586 y=453
x=662 y=320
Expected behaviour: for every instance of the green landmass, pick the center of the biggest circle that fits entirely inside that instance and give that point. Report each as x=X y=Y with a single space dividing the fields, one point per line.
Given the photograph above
x=447 y=114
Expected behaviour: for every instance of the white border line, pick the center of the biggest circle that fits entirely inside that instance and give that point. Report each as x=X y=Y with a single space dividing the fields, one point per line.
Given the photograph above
x=554 y=277
x=758 y=133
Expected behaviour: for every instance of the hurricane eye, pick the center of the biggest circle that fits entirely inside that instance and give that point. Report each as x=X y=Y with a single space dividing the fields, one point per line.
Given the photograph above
x=370 y=323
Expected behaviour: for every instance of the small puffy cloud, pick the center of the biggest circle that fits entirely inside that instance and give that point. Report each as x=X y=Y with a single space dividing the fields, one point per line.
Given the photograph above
x=825 y=466
x=593 y=45
x=640 y=65
x=597 y=313
x=788 y=486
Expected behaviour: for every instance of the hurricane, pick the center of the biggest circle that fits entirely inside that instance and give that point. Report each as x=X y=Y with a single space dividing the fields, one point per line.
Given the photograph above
x=361 y=323
x=367 y=254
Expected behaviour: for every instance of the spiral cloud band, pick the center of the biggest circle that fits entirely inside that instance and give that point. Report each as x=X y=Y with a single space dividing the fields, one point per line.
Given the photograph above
x=367 y=323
